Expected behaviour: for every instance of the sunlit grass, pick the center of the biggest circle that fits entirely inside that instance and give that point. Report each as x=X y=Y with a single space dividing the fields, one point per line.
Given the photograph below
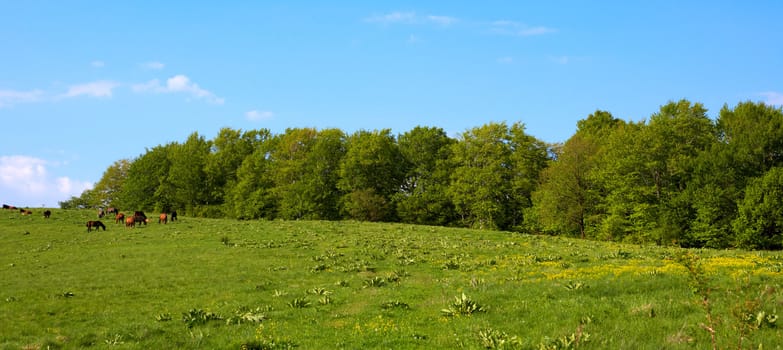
x=358 y=285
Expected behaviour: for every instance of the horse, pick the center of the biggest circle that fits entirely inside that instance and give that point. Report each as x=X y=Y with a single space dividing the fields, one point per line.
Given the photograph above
x=114 y=211
x=173 y=215
x=96 y=225
x=101 y=213
x=130 y=222
x=139 y=217
x=163 y=218
x=120 y=217
x=25 y=212
x=47 y=213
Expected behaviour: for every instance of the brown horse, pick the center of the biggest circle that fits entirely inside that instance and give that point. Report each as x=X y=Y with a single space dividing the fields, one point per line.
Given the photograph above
x=47 y=213
x=95 y=225
x=25 y=212
x=163 y=218
x=119 y=218
x=130 y=222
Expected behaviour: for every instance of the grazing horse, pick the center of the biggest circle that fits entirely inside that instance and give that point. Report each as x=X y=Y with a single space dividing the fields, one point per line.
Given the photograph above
x=173 y=215
x=163 y=218
x=25 y=212
x=139 y=217
x=120 y=217
x=114 y=211
x=6 y=206
x=130 y=222
x=96 y=225
x=47 y=213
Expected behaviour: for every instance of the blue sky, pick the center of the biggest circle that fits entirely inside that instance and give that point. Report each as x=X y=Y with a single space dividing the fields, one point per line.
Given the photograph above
x=86 y=83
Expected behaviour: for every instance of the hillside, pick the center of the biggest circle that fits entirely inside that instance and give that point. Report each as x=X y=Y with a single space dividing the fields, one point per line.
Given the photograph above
x=219 y=283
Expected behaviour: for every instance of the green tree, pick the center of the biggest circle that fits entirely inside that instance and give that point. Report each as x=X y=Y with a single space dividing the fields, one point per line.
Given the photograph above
x=759 y=224
x=422 y=198
x=748 y=143
x=187 y=176
x=306 y=163
x=753 y=135
x=107 y=190
x=496 y=169
x=373 y=167
x=144 y=187
x=567 y=198
x=229 y=149
x=251 y=195
x=646 y=169
x=529 y=157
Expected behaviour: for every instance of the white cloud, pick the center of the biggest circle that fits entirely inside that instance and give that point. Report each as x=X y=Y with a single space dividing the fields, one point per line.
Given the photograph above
x=98 y=64
x=442 y=20
x=153 y=65
x=256 y=115
x=69 y=187
x=179 y=84
x=410 y=18
x=773 y=98
x=518 y=29
x=25 y=181
x=12 y=97
x=393 y=17
x=102 y=88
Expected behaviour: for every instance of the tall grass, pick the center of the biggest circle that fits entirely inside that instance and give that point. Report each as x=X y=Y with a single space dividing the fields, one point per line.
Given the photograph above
x=215 y=284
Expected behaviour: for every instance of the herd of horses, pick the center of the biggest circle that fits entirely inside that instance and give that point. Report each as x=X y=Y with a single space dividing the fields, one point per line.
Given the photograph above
x=138 y=217
x=22 y=211
x=130 y=221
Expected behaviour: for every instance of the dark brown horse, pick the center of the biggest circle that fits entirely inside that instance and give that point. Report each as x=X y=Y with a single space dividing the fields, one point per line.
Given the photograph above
x=95 y=225
x=139 y=217
x=47 y=213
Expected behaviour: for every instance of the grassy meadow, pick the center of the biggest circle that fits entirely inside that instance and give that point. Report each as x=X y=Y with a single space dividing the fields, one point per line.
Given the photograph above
x=227 y=284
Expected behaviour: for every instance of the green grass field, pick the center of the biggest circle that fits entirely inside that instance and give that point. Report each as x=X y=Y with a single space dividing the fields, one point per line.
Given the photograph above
x=226 y=284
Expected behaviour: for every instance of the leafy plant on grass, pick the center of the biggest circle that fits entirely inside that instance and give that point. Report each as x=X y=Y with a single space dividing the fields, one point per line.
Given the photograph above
x=299 y=303
x=325 y=300
x=116 y=340
x=495 y=339
x=575 y=285
x=246 y=315
x=463 y=306
x=376 y=282
x=196 y=317
x=395 y=304
x=319 y=291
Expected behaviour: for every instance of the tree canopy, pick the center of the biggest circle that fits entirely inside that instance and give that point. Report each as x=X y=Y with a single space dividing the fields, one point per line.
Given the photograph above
x=677 y=177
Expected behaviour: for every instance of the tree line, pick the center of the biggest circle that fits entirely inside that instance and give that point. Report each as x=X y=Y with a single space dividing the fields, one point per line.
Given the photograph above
x=676 y=178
